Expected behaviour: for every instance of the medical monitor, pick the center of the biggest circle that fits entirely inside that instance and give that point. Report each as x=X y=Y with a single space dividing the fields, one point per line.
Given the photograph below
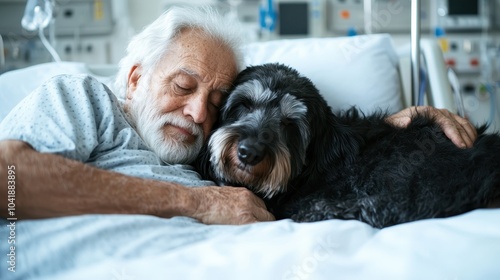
x=300 y=18
x=463 y=14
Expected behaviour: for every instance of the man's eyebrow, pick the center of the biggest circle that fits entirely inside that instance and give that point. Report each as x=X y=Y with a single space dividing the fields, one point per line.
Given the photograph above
x=189 y=72
x=224 y=90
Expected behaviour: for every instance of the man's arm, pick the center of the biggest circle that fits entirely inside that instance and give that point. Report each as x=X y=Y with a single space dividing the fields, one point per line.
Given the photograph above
x=48 y=185
x=458 y=129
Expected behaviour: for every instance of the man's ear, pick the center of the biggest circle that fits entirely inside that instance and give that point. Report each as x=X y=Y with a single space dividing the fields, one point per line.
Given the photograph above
x=133 y=78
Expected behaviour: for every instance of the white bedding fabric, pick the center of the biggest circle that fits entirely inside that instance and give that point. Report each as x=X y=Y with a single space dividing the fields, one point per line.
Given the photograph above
x=133 y=247
x=126 y=247
x=359 y=70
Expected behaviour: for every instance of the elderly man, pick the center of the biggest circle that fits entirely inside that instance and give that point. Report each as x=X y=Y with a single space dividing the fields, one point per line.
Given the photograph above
x=77 y=149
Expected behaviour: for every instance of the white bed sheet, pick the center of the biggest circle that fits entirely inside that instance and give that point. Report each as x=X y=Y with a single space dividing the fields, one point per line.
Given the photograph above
x=144 y=247
x=126 y=247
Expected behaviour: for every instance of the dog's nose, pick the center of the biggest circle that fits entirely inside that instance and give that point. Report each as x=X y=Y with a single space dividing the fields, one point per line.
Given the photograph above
x=250 y=151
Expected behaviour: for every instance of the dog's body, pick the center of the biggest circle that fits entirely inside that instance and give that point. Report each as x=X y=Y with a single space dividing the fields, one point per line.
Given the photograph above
x=277 y=136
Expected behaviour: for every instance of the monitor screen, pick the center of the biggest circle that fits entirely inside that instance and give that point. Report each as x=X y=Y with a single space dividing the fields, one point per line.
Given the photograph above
x=463 y=7
x=293 y=18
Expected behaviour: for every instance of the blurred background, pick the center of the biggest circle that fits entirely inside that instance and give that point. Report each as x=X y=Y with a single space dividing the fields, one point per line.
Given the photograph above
x=97 y=31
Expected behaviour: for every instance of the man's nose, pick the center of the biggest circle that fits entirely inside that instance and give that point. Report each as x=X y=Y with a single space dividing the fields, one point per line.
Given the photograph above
x=197 y=107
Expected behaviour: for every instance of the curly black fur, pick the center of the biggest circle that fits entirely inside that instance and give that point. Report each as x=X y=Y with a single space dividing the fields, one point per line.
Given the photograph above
x=359 y=167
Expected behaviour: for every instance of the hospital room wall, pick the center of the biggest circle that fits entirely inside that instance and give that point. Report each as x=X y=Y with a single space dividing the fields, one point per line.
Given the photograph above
x=131 y=16
x=477 y=102
x=138 y=14
x=143 y=14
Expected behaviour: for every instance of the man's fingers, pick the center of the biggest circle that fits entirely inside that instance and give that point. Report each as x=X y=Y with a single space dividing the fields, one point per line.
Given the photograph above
x=470 y=131
x=457 y=138
x=257 y=215
x=230 y=205
x=261 y=213
x=402 y=121
x=264 y=216
x=460 y=131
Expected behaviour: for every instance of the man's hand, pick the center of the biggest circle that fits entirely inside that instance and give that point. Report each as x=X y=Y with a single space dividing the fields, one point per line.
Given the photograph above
x=460 y=131
x=229 y=205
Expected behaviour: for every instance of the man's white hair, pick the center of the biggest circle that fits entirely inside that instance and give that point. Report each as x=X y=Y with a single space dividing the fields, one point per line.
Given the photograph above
x=149 y=46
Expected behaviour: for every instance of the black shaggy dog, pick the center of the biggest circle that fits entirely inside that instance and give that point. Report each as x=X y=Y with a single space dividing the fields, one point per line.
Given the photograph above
x=278 y=137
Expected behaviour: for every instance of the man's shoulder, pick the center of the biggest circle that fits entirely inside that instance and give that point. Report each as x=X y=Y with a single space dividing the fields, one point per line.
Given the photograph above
x=79 y=81
x=69 y=115
x=81 y=89
x=71 y=96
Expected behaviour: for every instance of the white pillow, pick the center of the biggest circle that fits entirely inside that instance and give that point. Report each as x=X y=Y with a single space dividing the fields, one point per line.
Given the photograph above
x=360 y=70
x=17 y=84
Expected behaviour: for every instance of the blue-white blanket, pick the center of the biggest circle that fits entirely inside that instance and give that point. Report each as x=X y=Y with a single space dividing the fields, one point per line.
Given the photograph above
x=126 y=247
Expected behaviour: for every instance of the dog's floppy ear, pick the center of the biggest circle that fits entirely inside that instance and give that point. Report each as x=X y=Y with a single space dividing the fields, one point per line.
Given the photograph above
x=331 y=141
x=204 y=168
x=202 y=163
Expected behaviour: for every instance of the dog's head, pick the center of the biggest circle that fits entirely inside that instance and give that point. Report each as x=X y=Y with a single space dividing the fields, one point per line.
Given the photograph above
x=269 y=129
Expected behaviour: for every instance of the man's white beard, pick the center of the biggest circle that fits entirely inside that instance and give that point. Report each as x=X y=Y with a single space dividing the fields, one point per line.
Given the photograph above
x=149 y=122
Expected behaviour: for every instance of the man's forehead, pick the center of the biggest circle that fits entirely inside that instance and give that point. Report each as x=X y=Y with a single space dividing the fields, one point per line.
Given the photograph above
x=208 y=52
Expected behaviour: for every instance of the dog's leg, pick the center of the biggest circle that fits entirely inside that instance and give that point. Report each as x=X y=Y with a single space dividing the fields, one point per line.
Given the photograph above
x=495 y=201
x=351 y=209
x=364 y=209
x=323 y=209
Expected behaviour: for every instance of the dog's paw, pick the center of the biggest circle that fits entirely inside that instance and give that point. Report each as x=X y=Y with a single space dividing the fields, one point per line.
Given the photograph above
x=320 y=209
x=307 y=217
x=313 y=211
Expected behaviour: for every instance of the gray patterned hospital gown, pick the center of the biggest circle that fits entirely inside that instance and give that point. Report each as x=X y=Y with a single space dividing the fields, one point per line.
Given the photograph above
x=80 y=118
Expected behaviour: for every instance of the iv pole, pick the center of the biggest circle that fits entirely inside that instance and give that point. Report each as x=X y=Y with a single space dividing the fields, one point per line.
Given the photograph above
x=415 y=50
x=415 y=44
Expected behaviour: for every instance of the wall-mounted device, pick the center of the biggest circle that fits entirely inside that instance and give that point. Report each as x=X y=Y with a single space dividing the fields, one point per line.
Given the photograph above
x=38 y=15
x=76 y=32
x=345 y=16
x=85 y=17
x=462 y=15
x=350 y=17
x=394 y=16
x=300 y=18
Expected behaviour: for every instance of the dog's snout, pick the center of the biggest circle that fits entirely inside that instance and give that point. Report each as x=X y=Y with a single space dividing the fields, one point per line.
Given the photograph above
x=250 y=151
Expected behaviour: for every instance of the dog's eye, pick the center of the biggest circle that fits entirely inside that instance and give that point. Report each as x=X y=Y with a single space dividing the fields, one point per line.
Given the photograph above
x=247 y=105
x=286 y=121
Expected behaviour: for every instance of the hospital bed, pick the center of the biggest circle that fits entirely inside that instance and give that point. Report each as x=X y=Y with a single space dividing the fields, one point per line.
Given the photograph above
x=366 y=71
